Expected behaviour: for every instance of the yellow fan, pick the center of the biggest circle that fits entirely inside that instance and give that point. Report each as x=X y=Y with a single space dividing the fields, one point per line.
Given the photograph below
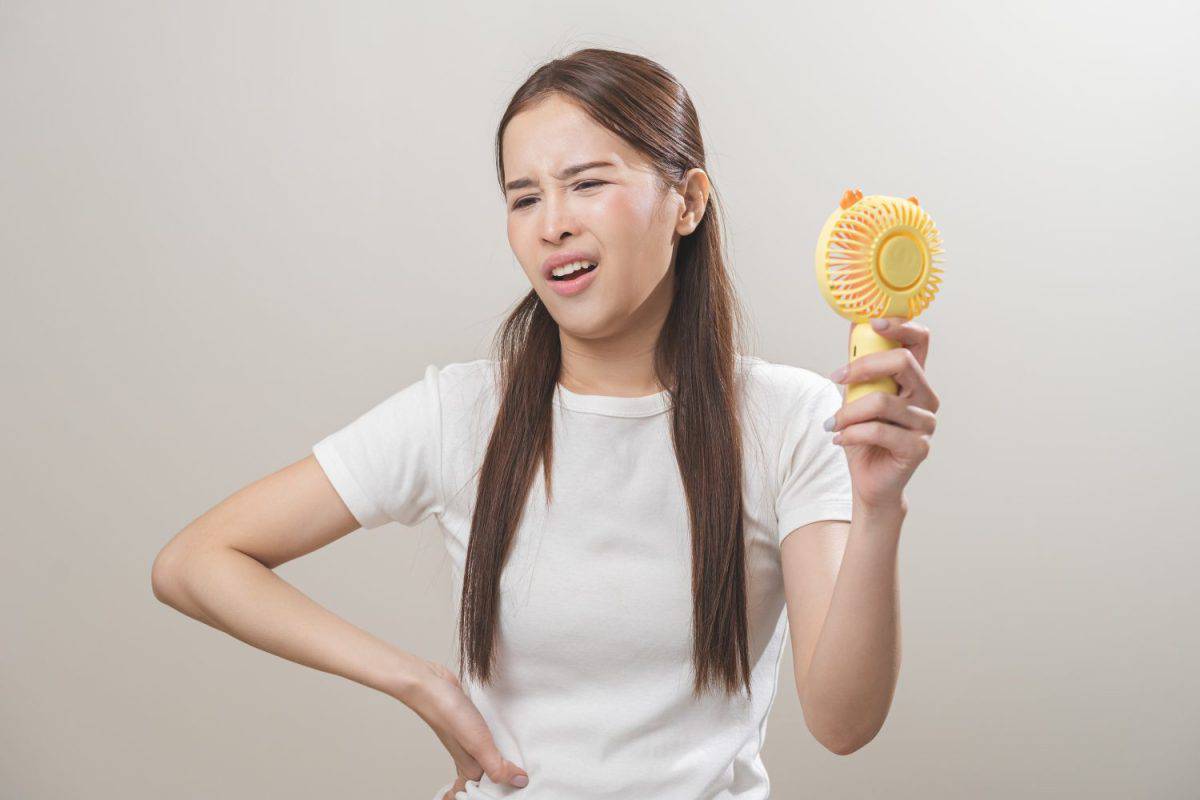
x=876 y=257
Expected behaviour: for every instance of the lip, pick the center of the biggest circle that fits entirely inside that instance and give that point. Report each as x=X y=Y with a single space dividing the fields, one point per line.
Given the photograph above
x=559 y=259
x=568 y=288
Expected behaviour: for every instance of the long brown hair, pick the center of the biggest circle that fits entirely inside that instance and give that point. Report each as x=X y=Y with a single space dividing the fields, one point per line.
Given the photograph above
x=695 y=359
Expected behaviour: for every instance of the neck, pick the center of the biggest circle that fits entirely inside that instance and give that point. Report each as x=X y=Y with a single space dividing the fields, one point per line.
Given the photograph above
x=621 y=365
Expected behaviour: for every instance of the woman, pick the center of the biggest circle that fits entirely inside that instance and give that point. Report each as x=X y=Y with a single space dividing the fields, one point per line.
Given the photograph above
x=616 y=488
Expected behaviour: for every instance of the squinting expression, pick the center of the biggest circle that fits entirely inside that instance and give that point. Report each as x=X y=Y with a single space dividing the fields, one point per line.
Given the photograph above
x=614 y=214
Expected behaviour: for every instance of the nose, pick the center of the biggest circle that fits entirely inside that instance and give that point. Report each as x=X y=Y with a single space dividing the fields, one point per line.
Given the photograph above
x=557 y=220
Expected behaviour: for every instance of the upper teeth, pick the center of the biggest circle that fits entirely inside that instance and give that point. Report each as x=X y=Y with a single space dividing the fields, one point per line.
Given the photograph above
x=567 y=269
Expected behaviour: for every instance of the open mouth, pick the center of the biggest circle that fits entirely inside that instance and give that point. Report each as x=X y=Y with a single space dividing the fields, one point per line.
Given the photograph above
x=573 y=275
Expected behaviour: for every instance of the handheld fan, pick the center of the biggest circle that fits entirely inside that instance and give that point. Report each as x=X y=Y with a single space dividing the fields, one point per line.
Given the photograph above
x=876 y=257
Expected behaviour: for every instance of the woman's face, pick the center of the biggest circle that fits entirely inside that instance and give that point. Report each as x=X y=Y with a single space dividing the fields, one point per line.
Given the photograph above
x=614 y=215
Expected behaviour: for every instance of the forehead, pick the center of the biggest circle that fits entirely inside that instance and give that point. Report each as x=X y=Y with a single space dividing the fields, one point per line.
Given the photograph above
x=555 y=133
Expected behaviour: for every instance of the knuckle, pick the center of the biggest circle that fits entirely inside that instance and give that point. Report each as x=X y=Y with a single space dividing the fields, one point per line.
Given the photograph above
x=923 y=419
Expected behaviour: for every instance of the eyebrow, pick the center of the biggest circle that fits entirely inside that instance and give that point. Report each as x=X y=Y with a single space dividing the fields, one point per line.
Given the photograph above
x=521 y=183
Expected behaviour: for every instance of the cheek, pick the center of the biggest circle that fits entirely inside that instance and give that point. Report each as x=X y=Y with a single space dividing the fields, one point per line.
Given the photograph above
x=624 y=207
x=621 y=220
x=514 y=232
x=651 y=216
x=517 y=242
x=638 y=225
x=628 y=230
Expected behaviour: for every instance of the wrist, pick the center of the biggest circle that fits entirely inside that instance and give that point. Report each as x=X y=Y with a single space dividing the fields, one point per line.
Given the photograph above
x=893 y=508
x=405 y=677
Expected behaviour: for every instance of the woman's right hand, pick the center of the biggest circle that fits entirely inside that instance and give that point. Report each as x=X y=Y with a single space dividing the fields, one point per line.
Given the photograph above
x=438 y=698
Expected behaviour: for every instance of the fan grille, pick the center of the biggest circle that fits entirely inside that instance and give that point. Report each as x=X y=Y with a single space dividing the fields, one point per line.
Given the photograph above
x=883 y=250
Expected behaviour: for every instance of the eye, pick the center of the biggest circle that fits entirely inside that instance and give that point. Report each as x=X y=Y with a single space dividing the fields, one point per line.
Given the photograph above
x=522 y=204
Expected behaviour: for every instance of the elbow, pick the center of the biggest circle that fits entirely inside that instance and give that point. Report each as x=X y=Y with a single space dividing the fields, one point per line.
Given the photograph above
x=165 y=574
x=846 y=742
x=841 y=740
x=844 y=747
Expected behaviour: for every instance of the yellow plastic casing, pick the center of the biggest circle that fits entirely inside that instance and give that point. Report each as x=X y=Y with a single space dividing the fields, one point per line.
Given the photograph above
x=876 y=256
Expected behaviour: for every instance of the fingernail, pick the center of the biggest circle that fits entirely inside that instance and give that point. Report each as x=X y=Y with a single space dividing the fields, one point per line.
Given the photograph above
x=837 y=375
x=879 y=323
x=520 y=781
x=829 y=422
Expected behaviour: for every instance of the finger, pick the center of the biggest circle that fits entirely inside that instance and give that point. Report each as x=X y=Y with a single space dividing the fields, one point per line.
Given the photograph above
x=472 y=737
x=460 y=785
x=886 y=407
x=900 y=365
x=908 y=333
x=904 y=444
x=497 y=767
x=463 y=760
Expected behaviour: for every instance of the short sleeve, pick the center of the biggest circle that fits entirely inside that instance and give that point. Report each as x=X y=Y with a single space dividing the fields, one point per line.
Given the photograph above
x=386 y=464
x=814 y=477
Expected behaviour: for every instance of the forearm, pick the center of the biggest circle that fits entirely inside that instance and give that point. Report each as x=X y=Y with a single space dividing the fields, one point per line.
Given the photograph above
x=234 y=593
x=852 y=675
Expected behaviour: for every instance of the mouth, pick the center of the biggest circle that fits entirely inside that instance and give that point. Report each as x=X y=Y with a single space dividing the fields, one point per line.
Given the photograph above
x=574 y=278
x=573 y=273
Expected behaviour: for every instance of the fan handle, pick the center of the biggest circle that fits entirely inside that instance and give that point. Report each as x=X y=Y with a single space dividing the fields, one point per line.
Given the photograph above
x=864 y=340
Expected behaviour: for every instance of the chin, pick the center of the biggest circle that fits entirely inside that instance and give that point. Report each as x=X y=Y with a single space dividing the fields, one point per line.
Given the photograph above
x=582 y=323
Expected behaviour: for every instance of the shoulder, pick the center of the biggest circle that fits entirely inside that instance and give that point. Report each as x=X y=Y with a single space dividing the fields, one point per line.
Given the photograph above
x=467 y=391
x=781 y=385
x=464 y=374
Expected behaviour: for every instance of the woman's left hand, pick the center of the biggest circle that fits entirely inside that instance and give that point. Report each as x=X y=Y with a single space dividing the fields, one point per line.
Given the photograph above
x=886 y=436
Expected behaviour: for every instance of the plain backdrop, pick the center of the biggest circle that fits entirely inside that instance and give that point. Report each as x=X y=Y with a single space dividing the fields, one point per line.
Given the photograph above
x=227 y=229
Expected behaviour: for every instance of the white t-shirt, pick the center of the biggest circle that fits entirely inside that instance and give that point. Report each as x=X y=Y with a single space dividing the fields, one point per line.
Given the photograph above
x=593 y=672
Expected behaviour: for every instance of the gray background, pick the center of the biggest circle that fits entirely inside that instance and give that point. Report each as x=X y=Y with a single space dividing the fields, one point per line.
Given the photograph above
x=229 y=228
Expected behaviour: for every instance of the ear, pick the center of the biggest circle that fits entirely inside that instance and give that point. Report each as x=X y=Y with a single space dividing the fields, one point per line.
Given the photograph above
x=694 y=189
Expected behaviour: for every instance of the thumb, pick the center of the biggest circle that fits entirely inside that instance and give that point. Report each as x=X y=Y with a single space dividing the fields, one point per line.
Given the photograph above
x=500 y=769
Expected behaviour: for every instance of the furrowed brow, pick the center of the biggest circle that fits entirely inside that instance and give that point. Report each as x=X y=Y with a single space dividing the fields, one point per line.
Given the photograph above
x=521 y=183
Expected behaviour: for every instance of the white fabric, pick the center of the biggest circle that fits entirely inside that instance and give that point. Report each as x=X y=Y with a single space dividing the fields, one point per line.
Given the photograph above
x=593 y=669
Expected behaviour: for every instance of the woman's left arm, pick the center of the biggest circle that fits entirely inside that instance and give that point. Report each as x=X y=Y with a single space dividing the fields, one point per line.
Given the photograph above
x=855 y=664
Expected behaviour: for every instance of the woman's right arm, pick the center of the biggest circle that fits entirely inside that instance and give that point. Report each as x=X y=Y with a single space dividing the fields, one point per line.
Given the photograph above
x=219 y=570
